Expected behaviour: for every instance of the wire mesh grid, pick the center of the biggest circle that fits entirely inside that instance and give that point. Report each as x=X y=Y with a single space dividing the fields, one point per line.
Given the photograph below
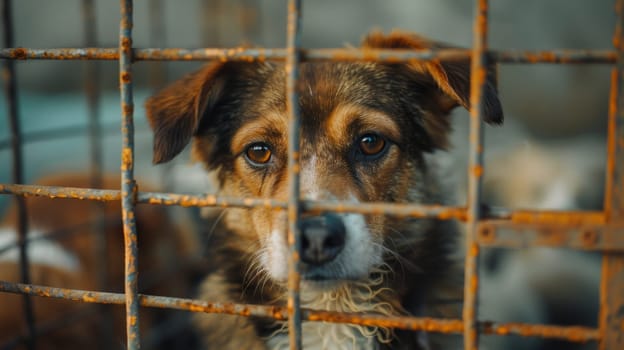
x=601 y=231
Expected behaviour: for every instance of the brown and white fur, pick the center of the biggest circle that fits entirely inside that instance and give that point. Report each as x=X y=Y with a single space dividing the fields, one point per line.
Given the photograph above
x=368 y=131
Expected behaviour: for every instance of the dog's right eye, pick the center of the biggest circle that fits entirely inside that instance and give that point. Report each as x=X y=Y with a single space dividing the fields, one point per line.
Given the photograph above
x=258 y=153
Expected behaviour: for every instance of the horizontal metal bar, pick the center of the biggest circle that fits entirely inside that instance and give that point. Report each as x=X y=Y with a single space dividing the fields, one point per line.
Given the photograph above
x=381 y=208
x=61 y=192
x=557 y=217
x=559 y=56
x=573 y=334
x=207 y=200
x=576 y=334
x=395 y=209
x=606 y=238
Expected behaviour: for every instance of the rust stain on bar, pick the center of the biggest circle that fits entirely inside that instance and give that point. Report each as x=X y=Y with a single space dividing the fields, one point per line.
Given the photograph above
x=128 y=185
x=448 y=326
x=499 y=233
x=558 y=217
x=576 y=334
x=406 y=210
x=611 y=315
x=294 y=206
x=478 y=80
x=559 y=56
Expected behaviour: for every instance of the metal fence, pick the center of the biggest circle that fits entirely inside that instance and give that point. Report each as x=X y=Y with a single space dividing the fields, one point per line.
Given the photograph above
x=598 y=231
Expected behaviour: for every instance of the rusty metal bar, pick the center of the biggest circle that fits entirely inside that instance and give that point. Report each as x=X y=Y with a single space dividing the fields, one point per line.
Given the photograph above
x=558 y=56
x=557 y=217
x=606 y=238
x=10 y=85
x=293 y=32
x=611 y=315
x=478 y=81
x=446 y=326
x=529 y=217
x=128 y=184
x=575 y=334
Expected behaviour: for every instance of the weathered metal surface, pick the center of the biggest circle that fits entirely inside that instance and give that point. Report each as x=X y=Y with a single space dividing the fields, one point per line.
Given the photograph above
x=611 y=315
x=561 y=56
x=498 y=233
x=60 y=192
x=478 y=81
x=571 y=333
x=293 y=305
x=545 y=217
x=128 y=184
x=564 y=218
x=437 y=325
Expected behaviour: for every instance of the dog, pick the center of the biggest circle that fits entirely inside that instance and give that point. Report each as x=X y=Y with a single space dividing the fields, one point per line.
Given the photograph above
x=61 y=253
x=369 y=133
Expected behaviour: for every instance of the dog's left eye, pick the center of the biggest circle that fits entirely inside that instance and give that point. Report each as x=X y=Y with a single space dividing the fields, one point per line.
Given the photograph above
x=371 y=144
x=258 y=153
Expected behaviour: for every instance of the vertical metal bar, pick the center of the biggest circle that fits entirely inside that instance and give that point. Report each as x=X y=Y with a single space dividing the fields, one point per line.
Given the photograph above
x=292 y=74
x=128 y=184
x=611 y=320
x=100 y=243
x=478 y=81
x=10 y=85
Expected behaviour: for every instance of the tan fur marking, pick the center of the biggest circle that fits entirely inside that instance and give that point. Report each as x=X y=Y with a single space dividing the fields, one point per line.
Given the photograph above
x=256 y=130
x=344 y=115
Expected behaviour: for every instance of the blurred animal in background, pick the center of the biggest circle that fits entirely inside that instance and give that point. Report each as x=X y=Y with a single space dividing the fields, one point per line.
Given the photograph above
x=543 y=285
x=63 y=238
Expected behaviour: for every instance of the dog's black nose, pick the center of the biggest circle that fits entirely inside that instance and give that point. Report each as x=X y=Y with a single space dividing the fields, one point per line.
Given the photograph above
x=322 y=238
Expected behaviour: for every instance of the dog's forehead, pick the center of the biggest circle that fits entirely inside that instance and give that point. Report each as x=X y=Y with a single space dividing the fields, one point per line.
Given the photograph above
x=323 y=88
x=337 y=103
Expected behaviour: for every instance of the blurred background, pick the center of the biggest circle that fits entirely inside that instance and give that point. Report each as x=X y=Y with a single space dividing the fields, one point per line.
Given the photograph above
x=550 y=154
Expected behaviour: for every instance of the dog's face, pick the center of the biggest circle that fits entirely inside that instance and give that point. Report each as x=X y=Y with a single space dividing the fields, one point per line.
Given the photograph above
x=365 y=131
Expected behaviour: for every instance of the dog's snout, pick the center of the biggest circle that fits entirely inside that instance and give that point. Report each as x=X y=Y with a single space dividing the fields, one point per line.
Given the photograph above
x=322 y=238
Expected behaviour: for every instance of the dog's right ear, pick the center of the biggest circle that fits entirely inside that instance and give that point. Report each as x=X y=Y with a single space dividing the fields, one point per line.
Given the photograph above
x=175 y=112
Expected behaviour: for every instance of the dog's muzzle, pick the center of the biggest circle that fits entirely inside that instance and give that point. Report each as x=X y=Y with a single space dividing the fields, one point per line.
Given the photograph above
x=322 y=239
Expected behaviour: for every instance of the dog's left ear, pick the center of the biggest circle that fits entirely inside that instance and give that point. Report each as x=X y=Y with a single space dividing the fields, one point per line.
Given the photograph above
x=452 y=77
